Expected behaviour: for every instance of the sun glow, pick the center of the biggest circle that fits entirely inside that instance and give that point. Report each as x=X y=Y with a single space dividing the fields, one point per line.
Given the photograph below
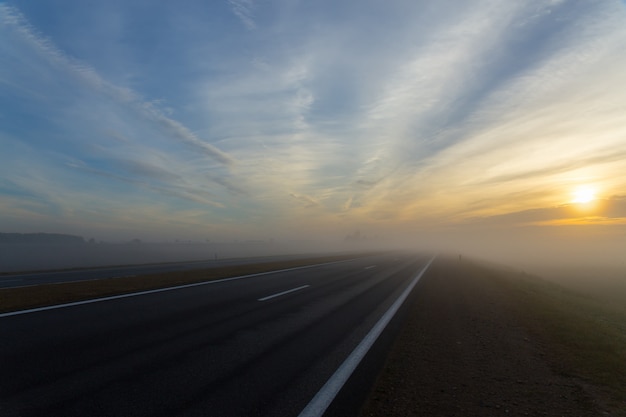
x=584 y=195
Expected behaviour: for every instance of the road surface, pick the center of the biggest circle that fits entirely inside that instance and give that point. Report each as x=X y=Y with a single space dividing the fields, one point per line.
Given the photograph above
x=258 y=346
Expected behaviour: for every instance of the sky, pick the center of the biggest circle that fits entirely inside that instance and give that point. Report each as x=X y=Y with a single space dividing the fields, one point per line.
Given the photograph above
x=259 y=119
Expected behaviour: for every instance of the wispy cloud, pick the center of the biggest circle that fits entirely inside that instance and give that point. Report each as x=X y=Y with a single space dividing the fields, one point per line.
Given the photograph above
x=243 y=9
x=182 y=133
x=82 y=73
x=612 y=210
x=305 y=200
x=395 y=117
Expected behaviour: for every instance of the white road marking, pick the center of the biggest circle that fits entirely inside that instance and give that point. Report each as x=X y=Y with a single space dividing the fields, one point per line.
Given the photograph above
x=178 y=287
x=318 y=405
x=370 y=267
x=269 y=297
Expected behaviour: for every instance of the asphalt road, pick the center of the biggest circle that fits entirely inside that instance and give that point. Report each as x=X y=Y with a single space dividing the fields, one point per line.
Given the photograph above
x=259 y=346
x=86 y=274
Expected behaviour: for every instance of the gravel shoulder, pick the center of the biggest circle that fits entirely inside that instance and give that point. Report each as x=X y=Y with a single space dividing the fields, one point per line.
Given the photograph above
x=470 y=347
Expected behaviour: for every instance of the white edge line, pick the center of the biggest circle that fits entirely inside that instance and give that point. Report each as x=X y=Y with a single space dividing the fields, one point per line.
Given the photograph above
x=318 y=405
x=178 y=287
x=269 y=297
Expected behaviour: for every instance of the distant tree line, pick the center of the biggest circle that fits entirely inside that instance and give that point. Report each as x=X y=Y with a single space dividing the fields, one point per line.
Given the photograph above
x=55 y=238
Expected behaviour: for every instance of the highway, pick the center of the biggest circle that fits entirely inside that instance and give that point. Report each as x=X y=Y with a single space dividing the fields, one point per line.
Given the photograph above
x=274 y=344
x=86 y=274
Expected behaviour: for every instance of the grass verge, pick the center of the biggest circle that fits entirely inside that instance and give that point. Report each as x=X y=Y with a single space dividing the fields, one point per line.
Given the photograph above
x=584 y=336
x=20 y=298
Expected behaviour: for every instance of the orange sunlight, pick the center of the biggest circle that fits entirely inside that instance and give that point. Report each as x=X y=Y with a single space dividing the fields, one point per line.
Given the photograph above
x=584 y=195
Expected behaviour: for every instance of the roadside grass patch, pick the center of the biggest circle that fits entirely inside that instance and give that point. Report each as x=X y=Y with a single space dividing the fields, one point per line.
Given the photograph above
x=584 y=336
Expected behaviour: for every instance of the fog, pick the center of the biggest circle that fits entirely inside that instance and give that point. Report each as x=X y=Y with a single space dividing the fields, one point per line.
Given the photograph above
x=590 y=259
x=20 y=257
x=586 y=257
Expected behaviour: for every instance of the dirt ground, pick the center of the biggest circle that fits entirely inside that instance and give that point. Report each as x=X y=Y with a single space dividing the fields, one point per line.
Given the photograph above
x=465 y=351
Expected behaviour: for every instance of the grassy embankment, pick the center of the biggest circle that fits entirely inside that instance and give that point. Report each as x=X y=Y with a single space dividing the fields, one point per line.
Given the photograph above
x=12 y=299
x=584 y=335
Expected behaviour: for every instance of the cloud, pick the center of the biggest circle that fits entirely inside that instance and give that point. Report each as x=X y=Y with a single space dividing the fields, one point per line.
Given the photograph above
x=611 y=210
x=468 y=115
x=305 y=200
x=147 y=170
x=86 y=75
x=533 y=124
x=243 y=9
x=143 y=176
x=198 y=196
x=367 y=183
x=395 y=116
x=183 y=134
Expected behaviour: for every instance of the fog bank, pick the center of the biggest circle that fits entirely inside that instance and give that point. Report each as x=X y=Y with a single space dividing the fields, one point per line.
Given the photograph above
x=42 y=256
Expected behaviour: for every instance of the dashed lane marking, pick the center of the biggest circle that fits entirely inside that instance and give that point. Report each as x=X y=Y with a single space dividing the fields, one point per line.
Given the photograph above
x=269 y=297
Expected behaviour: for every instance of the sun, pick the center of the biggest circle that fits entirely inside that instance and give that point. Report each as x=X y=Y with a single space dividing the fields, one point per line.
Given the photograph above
x=584 y=195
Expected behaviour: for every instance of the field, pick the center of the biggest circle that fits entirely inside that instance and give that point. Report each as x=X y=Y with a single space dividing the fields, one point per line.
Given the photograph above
x=485 y=340
x=585 y=333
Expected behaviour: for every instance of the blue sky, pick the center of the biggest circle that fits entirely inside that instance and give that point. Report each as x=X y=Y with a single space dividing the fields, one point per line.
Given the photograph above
x=245 y=119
